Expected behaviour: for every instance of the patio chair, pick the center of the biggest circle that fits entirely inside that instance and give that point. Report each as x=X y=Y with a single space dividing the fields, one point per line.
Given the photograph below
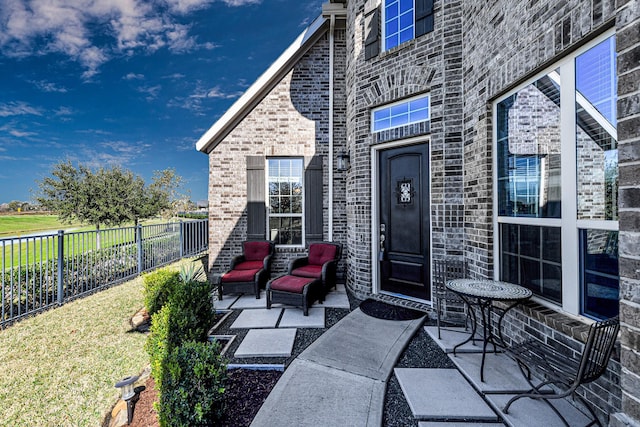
x=250 y=271
x=565 y=372
x=444 y=270
x=320 y=263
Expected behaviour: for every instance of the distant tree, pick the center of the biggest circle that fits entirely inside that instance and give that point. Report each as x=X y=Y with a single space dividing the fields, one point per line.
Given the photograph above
x=109 y=196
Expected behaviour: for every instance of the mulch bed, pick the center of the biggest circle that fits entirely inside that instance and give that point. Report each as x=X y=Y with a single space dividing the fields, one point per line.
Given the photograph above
x=246 y=391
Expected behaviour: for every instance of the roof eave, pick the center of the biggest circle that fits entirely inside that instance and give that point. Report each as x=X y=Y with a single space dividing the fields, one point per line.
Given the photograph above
x=258 y=90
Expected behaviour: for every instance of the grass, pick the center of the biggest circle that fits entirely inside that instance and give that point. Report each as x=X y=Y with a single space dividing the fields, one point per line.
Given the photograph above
x=13 y=225
x=59 y=368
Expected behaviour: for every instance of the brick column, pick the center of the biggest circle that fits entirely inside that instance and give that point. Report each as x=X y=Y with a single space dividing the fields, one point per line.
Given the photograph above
x=628 y=48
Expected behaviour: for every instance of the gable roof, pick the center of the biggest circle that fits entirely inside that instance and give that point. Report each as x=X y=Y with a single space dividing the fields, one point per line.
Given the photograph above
x=258 y=90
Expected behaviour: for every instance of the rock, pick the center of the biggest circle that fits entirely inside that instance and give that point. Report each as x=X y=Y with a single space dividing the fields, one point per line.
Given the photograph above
x=119 y=414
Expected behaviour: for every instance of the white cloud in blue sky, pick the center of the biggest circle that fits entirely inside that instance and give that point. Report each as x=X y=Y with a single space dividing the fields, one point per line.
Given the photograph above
x=128 y=82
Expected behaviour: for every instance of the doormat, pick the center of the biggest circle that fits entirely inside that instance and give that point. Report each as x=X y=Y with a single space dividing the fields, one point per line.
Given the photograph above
x=383 y=310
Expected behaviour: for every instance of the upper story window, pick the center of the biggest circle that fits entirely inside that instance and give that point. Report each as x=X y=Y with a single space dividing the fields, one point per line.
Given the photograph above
x=557 y=183
x=389 y=23
x=285 y=209
x=398 y=22
x=414 y=110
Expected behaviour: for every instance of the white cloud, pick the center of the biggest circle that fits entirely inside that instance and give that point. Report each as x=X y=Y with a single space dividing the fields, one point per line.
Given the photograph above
x=151 y=91
x=235 y=3
x=18 y=109
x=48 y=86
x=39 y=27
x=134 y=76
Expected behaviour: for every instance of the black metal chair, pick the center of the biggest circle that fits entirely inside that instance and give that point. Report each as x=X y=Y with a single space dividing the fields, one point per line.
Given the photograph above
x=563 y=371
x=444 y=270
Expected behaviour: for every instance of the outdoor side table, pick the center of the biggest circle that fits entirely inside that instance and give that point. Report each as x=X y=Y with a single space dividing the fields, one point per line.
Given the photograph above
x=482 y=293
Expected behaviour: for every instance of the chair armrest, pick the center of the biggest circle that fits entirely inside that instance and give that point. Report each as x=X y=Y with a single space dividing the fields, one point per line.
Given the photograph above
x=236 y=260
x=297 y=263
x=329 y=270
x=266 y=263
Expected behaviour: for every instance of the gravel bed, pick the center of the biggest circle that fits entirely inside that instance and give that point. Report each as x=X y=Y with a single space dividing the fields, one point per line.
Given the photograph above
x=421 y=352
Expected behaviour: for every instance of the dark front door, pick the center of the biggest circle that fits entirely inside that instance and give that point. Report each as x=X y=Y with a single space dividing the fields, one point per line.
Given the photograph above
x=404 y=257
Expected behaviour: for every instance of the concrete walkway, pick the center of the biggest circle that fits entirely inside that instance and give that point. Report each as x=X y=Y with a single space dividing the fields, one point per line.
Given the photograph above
x=341 y=378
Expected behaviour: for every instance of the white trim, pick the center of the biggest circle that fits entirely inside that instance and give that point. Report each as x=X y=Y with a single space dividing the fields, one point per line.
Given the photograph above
x=245 y=103
x=570 y=225
x=375 y=214
x=383 y=24
x=267 y=202
x=401 y=102
x=331 y=130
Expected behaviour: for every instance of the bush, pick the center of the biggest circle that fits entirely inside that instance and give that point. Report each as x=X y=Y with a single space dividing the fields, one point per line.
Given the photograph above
x=193 y=388
x=159 y=285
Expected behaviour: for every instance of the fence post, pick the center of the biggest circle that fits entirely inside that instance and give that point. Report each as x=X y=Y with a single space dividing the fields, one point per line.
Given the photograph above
x=60 y=266
x=139 y=244
x=181 y=239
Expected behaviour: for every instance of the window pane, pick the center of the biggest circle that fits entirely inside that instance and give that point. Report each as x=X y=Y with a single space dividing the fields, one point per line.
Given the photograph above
x=596 y=144
x=528 y=149
x=285 y=200
x=391 y=41
x=391 y=27
x=600 y=280
x=406 y=5
x=391 y=11
x=412 y=111
x=527 y=259
x=406 y=35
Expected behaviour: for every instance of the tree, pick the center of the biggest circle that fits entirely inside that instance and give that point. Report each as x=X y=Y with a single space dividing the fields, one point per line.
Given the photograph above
x=109 y=196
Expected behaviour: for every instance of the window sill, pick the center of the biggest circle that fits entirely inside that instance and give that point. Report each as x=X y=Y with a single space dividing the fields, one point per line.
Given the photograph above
x=395 y=50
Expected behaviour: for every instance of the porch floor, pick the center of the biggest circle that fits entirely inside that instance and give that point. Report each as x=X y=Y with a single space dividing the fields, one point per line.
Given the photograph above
x=501 y=373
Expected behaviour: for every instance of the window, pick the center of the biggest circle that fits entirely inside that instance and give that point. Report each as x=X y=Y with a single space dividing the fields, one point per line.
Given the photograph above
x=402 y=20
x=403 y=113
x=398 y=22
x=285 y=212
x=557 y=183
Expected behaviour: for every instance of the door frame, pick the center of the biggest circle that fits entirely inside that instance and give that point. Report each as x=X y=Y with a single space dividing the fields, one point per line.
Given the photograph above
x=375 y=212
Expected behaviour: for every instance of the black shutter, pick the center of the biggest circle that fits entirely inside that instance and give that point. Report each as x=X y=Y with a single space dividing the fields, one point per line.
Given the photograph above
x=256 y=208
x=424 y=17
x=313 y=188
x=371 y=30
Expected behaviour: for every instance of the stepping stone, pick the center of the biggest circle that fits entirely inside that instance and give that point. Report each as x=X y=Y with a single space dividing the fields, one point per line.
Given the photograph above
x=456 y=424
x=295 y=318
x=267 y=343
x=225 y=303
x=442 y=394
x=336 y=300
x=250 y=301
x=257 y=318
x=450 y=337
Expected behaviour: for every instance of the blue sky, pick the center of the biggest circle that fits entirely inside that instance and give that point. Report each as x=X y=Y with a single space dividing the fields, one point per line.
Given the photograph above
x=128 y=82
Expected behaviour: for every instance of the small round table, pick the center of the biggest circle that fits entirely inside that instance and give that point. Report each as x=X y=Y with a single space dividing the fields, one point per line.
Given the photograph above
x=482 y=293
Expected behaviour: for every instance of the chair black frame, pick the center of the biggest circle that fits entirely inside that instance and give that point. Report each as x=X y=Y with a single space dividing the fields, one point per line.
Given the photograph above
x=329 y=268
x=260 y=278
x=565 y=372
x=443 y=271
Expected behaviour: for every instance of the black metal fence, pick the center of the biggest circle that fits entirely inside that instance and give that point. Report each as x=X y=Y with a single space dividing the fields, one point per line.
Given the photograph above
x=46 y=270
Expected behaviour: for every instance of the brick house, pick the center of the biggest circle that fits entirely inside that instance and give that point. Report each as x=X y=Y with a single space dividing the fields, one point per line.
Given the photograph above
x=502 y=133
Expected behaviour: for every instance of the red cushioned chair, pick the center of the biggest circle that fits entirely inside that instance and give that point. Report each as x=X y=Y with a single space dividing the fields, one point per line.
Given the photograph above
x=321 y=263
x=250 y=271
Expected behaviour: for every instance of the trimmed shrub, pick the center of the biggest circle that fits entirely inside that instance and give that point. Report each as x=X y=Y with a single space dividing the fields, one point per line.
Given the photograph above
x=193 y=386
x=159 y=285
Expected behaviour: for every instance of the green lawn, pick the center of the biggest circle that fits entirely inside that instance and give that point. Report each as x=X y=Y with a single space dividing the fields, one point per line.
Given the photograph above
x=59 y=368
x=12 y=225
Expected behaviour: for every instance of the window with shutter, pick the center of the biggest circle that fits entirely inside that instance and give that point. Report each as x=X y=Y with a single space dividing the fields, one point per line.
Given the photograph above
x=402 y=20
x=294 y=197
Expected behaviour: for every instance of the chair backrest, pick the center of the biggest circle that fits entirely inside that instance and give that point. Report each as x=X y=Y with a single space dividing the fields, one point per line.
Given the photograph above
x=444 y=270
x=256 y=250
x=598 y=349
x=319 y=253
